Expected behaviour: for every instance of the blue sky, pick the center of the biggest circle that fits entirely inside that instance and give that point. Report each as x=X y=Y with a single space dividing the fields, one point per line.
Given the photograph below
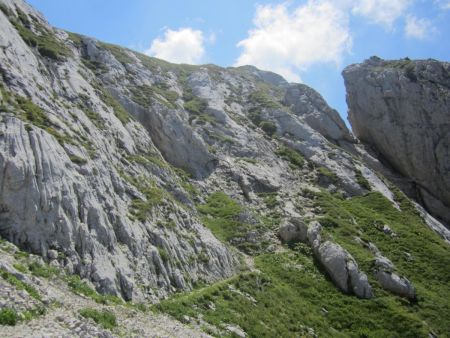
x=309 y=41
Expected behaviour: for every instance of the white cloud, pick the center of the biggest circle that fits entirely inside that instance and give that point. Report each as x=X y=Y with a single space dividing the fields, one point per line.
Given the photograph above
x=384 y=12
x=286 y=41
x=185 y=45
x=418 y=28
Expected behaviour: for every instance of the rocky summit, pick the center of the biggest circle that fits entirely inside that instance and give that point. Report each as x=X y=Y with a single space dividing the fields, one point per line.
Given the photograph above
x=141 y=198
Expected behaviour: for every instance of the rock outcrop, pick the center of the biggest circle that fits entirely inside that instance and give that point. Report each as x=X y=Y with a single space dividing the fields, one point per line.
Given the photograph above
x=391 y=281
x=343 y=269
x=106 y=154
x=401 y=108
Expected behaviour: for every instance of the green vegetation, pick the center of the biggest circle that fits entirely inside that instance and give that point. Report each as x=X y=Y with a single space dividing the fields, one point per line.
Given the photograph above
x=13 y=280
x=110 y=101
x=184 y=181
x=8 y=317
x=148 y=159
x=81 y=288
x=153 y=196
x=262 y=99
x=292 y=293
x=144 y=94
x=20 y=267
x=248 y=160
x=42 y=270
x=161 y=66
x=222 y=215
x=33 y=313
x=292 y=156
x=27 y=111
x=362 y=181
x=75 y=38
x=77 y=159
x=5 y=9
x=270 y=199
x=95 y=118
x=327 y=174
x=45 y=41
x=193 y=104
x=118 y=52
x=37 y=269
x=105 y=318
x=95 y=66
x=269 y=127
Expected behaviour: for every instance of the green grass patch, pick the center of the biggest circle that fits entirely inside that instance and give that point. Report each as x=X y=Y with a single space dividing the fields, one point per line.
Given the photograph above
x=269 y=127
x=196 y=106
x=77 y=159
x=326 y=173
x=118 y=52
x=80 y=287
x=42 y=270
x=13 y=280
x=364 y=216
x=222 y=215
x=105 y=318
x=8 y=317
x=143 y=95
x=261 y=98
x=291 y=295
x=291 y=155
x=95 y=118
x=45 y=41
x=362 y=181
x=29 y=112
x=270 y=199
x=112 y=102
x=20 y=267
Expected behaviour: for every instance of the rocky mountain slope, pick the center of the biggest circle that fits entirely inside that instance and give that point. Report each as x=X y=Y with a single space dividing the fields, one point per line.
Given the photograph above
x=243 y=193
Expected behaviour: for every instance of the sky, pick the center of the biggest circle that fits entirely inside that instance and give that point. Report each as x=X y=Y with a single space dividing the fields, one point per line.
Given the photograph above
x=307 y=41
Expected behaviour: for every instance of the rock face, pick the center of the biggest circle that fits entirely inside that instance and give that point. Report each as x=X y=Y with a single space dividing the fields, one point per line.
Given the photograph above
x=402 y=108
x=106 y=155
x=306 y=102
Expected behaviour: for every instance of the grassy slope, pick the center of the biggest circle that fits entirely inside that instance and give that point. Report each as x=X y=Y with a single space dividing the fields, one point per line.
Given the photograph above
x=291 y=292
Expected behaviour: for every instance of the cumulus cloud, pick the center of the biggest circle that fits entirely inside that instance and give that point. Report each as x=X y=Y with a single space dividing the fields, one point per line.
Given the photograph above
x=418 y=28
x=384 y=12
x=287 y=41
x=185 y=45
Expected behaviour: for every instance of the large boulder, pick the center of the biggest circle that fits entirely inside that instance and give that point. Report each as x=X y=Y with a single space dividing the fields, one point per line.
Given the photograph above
x=391 y=281
x=401 y=108
x=293 y=230
x=343 y=270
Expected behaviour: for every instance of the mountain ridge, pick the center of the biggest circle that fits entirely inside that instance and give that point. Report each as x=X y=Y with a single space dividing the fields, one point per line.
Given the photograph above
x=147 y=179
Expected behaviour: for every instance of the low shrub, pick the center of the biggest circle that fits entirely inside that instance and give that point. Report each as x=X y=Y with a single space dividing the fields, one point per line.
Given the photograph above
x=105 y=318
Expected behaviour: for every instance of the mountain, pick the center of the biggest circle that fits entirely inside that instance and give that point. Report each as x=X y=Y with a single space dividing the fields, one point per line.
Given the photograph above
x=233 y=201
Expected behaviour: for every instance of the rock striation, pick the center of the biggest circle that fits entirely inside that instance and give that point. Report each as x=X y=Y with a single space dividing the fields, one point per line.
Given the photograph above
x=108 y=160
x=401 y=108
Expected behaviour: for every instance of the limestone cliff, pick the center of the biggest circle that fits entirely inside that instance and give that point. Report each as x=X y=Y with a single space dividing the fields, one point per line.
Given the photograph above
x=402 y=109
x=140 y=179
